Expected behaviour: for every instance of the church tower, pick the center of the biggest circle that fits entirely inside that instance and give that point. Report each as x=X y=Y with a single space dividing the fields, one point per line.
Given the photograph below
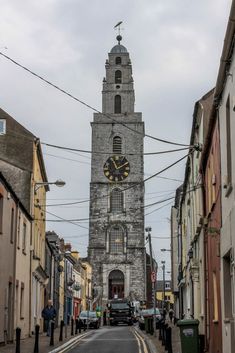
x=116 y=232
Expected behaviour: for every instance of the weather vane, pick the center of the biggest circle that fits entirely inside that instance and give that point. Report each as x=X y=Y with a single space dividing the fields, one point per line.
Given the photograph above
x=118 y=27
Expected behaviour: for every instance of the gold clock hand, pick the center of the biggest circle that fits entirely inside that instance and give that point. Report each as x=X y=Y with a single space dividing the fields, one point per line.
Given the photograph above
x=115 y=165
x=122 y=165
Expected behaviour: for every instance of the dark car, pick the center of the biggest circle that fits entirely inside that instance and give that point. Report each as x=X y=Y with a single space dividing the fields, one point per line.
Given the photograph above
x=148 y=313
x=89 y=318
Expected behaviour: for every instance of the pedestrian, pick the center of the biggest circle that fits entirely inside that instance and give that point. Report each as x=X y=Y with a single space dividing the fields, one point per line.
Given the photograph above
x=171 y=314
x=48 y=314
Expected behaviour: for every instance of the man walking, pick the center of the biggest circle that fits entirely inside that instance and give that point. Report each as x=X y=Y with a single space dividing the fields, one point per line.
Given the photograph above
x=48 y=314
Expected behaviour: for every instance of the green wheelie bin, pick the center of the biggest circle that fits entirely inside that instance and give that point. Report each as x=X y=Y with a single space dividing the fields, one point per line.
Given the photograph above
x=189 y=335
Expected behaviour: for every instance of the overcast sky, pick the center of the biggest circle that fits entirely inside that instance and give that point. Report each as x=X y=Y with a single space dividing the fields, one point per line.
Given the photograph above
x=175 y=47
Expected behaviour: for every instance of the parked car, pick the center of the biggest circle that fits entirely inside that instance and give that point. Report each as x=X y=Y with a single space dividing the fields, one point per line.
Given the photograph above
x=148 y=313
x=90 y=318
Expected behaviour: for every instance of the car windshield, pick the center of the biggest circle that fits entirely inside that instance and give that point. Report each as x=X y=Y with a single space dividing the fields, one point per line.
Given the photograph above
x=87 y=313
x=119 y=306
x=150 y=312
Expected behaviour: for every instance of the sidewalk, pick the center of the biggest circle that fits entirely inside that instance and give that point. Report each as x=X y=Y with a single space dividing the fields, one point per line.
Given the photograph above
x=27 y=344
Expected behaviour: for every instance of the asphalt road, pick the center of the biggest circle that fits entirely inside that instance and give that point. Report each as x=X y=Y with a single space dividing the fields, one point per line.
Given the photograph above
x=112 y=339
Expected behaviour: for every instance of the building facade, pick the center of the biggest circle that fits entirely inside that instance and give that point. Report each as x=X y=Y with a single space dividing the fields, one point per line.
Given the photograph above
x=15 y=234
x=116 y=235
x=21 y=163
x=225 y=112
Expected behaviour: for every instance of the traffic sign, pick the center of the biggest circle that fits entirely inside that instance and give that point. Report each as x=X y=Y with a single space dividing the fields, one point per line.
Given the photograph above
x=153 y=277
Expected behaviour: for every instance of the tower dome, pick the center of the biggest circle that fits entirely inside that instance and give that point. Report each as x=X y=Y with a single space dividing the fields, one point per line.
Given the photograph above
x=118 y=48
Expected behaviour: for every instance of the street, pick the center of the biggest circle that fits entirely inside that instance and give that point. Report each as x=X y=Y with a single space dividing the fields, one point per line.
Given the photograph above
x=108 y=339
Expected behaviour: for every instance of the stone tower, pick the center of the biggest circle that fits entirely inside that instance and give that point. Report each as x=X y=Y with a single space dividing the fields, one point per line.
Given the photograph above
x=116 y=234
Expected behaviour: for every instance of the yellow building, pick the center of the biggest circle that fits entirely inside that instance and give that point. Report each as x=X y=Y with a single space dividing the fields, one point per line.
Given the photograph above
x=38 y=275
x=169 y=296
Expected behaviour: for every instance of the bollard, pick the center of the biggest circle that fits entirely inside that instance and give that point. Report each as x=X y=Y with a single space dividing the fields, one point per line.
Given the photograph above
x=36 y=342
x=18 y=333
x=104 y=319
x=168 y=340
x=79 y=325
x=160 y=330
x=84 y=323
x=76 y=326
x=164 y=334
x=61 y=330
x=151 y=326
x=72 y=323
x=52 y=333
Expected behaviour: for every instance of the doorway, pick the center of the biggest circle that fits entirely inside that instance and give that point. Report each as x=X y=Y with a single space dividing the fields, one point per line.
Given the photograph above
x=116 y=284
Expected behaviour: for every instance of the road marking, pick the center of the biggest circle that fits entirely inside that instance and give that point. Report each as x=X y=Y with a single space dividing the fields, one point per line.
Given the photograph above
x=138 y=341
x=72 y=344
x=142 y=340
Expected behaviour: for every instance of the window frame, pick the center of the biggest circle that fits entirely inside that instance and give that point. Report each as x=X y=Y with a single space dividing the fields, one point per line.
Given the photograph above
x=113 y=248
x=4 y=127
x=116 y=205
x=117 y=104
x=118 y=60
x=117 y=145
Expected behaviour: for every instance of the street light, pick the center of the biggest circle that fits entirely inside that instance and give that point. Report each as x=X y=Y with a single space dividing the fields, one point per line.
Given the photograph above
x=153 y=278
x=60 y=183
x=163 y=269
x=163 y=250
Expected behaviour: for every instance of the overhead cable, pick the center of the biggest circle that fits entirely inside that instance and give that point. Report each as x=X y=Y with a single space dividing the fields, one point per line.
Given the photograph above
x=85 y=104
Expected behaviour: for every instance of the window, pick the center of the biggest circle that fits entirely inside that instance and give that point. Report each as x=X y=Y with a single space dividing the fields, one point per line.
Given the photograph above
x=117 y=145
x=2 y=126
x=24 y=238
x=1 y=214
x=12 y=224
x=118 y=60
x=117 y=104
x=116 y=201
x=228 y=136
x=116 y=240
x=118 y=76
x=22 y=301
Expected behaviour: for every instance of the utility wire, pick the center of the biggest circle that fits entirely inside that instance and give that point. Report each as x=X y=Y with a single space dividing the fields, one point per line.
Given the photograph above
x=85 y=104
x=106 y=153
x=125 y=189
x=127 y=213
x=75 y=150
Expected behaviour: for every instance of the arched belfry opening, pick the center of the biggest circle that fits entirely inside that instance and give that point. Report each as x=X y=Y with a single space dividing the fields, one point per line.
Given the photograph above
x=116 y=284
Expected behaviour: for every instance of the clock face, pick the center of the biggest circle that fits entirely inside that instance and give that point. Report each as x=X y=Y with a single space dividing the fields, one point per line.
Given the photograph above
x=116 y=168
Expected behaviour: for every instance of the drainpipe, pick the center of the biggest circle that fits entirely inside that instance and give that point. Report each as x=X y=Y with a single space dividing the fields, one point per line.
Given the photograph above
x=13 y=316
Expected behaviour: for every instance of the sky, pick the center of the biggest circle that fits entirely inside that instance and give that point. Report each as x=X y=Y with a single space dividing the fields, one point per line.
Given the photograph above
x=175 y=48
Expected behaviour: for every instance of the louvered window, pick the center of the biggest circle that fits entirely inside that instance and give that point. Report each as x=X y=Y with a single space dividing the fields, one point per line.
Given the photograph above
x=118 y=60
x=117 y=145
x=118 y=76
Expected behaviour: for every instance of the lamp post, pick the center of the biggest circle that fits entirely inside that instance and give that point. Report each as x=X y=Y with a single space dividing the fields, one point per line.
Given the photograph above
x=153 y=278
x=39 y=184
x=163 y=269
